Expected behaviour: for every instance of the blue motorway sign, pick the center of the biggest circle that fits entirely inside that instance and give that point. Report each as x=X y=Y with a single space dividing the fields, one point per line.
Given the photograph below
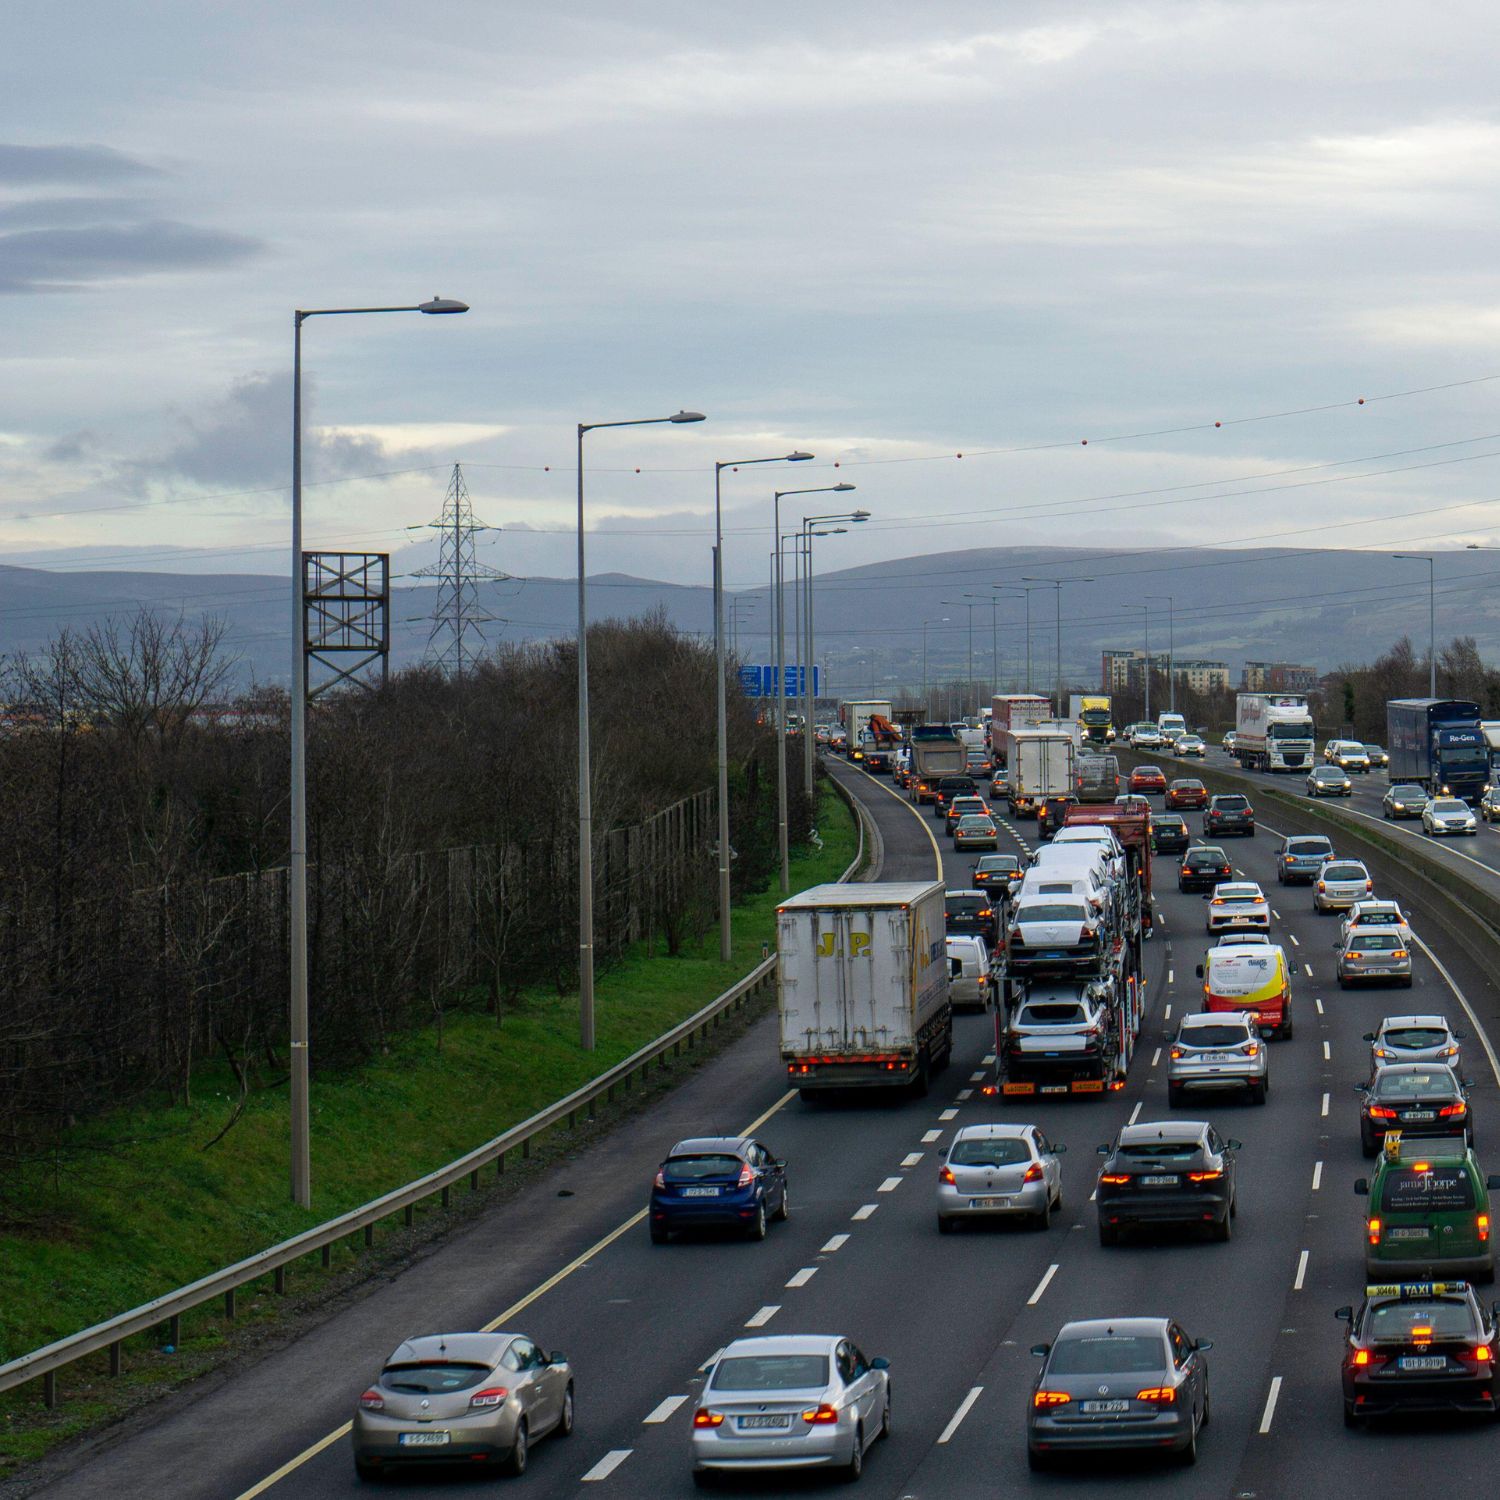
x=760 y=681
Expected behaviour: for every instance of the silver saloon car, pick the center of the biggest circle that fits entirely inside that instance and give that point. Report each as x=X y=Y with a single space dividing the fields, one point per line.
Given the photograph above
x=801 y=1401
x=999 y=1172
x=469 y=1398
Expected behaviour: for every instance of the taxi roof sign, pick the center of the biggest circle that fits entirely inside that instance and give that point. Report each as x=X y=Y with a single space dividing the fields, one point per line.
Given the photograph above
x=1414 y=1289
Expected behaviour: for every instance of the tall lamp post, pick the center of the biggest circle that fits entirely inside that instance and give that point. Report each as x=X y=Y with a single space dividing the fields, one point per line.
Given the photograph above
x=1171 y=648
x=809 y=530
x=926 y=706
x=1431 y=613
x=1146 y=612
x=585 y=780
x=1017 y=588
x=963 y=604
x=301 y=1132
x=779 y=603
x=1057 y=588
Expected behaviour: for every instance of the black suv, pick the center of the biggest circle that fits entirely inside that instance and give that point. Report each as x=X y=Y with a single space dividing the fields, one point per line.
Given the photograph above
x=949 y=788
x=1053 y=813
x=1203 y=868
x=1229 y=812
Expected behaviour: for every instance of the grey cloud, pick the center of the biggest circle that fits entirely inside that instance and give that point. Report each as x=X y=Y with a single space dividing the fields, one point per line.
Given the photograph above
x=64 y=259
x=72 y=447
x=35 y=165
x=54 y=213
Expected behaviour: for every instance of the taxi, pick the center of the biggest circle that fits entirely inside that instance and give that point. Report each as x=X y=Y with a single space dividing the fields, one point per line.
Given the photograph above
x=1418 y=1346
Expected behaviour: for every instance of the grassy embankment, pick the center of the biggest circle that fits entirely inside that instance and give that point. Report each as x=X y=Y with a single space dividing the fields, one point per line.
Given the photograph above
x=137 y=1206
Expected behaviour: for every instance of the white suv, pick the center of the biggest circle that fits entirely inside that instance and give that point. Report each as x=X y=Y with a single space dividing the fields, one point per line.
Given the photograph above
x=1347 y=755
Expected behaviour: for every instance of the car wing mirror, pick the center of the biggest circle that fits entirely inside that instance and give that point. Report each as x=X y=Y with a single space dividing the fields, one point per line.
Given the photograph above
x=1101 y=1150
x=1234 y=1145
x=1369 y=1036
x=1492 y=1181
x=1041 y=1351
x=1344 y=1314
x=1203 y=1345
x=1361 y=1088
x=1361 y=1187
x=1458 y=1036
x=557 y=1357
x=1200 y=971
x=1058 y=1150
x=880 y=1362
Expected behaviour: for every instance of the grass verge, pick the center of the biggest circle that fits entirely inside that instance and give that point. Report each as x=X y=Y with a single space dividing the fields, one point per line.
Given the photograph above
x=136 y=1206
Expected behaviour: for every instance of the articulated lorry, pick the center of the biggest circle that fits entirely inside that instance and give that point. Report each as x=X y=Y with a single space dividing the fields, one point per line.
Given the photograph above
x=1041 y=766
x=1273 y=732
x=936 y=751
x=1010 y=712
x=1093 y=714
x=862 y=986
x=1439 y=744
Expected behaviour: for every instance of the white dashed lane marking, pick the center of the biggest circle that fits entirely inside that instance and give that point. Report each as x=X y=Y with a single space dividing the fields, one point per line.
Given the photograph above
x=1270 y=1412
x=948 y=1114
x=1135 y=1113
x=1324 y=1110
x=1042 y=1286
x=802 y=1277
x=889 y=1185
x=608 y=1464
x=1301 y=1272
x=931 y=1136
x=912 y=1158
x=660 y=1413
x=1293 y=937
x=1326 y=1053
x=836 y=1243
x=860 y=1214
x=1317 y=1175
x=764 y=1316
x=1319 y=1004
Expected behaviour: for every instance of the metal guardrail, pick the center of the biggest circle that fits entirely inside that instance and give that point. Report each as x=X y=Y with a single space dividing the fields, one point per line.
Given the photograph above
x=44 y=1363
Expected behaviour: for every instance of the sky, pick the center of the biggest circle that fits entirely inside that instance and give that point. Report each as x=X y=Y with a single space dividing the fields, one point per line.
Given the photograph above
x=1063 y=240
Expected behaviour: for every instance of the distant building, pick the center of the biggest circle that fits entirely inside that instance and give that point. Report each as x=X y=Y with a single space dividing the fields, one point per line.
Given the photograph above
x=1203 y=676
x=1123 y=670
x=1278 y=677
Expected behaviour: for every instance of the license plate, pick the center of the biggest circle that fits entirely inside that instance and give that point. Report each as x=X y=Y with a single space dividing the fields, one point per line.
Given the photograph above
x=1216 y=1057
x=1053 y=1088
x=1422 y=1362
x=1159 y=1181
x=764 y=1421
x=700 y=1192
x=422 y=1439
x=1406 y=1234
x=1418 y=1114
x=989 y=1202
x=1091 y=1408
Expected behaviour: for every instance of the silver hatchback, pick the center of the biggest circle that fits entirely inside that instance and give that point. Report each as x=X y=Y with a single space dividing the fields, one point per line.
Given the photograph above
x=1219 y=1050
x=999 y=1171
x=1339 y=883
x=1373 y=956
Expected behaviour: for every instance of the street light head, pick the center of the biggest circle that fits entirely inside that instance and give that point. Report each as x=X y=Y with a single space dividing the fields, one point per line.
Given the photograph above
x=859 y=515
x=842 y=486
x=443 y=305
x=799 y=457
x=687 y=416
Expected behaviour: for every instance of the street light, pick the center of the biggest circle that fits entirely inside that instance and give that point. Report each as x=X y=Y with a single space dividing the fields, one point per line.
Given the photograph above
x=856 y=516
x=1021 y=589
x=926 y=706
x=1431 y=562
x=1171 y=649
x=585 y=786
x=1057 y=588
x=960 y=604
x=725 y=920
x=301 y=1133
x=780 y=606
x=1146 y=610
x=994 y=605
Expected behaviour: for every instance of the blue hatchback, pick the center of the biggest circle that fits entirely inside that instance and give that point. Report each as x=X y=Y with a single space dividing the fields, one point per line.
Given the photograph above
x=718 y=1181
x=1300 y=858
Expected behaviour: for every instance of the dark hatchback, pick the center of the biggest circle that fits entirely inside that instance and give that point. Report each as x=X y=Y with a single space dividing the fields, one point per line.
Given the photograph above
x=975 y=913
x=1170 y=1172
x=1203 y=868
x=1053 y=813
x=1169 y=834
x=1418 y=1346
x=1229 y=812
x=998 y=873
x=950 y=787
x=1418 y=1099
x=718 y=1182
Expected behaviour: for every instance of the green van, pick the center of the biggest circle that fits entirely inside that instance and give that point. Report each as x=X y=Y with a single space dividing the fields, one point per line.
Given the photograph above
x=1429 y=1211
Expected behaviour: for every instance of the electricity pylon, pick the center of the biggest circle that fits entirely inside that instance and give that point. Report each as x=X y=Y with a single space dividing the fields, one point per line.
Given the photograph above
x=457 y=638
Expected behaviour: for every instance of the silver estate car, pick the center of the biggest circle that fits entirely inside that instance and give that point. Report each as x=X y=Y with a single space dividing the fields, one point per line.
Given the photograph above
x=1218 y=1050
x=1415 y=1039
x=795 y=1402
x=1118 y=1383
x=1373 y=956
x=1339 y=883
x=470 y=1398
x=999 y=1171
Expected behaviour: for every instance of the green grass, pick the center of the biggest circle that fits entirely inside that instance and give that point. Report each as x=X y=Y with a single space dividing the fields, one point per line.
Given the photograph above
x=136 y=1206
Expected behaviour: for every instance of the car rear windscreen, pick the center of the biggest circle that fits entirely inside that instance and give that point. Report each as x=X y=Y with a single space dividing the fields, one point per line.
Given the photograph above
x=1399 y=1084
x=1212 y=1036
x=1052 y=1013
x=1409 y=1191
x=1306 y=847
x=1116 y=1354
x=1047 y=911
x=432 y=1380
x=1415 y=1036
x=1408 y=1322
x=1344 y=872
x=1161 y=1150
x=771 y=1372
x=965 y=906
x=1231 y=804
x=695 y=1168
x=1375 y=942
x=988 y=1153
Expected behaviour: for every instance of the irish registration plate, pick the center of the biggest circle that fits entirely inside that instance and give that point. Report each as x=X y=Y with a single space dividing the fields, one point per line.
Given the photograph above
x=1413 y=1233
x=700 y=1192
x=1092 y=1408
x=422 y=1439
x=764 y=1421
x=1422 y=1362
x=1418 y=1114
x=989 y=1202
x=1159 y=1181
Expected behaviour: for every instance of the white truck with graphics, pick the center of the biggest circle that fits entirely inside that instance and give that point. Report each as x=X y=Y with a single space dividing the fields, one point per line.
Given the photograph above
x=862 y=986
x=1273 y=732
x=1041 y=766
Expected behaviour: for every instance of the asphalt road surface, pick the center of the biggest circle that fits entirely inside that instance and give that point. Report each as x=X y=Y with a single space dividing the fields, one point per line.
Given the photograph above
x=861 y=1255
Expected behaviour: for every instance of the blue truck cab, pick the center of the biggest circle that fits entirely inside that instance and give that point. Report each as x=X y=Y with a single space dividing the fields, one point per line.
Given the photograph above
x=1439 y=744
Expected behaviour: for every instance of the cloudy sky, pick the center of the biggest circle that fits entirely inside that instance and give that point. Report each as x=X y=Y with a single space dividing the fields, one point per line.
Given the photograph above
x=891 y=234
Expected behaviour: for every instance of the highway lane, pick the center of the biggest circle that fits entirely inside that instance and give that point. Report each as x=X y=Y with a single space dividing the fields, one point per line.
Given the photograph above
x=638 y=1334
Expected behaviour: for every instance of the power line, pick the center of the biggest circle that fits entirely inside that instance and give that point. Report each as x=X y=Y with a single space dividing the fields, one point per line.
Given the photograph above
x=457 y=639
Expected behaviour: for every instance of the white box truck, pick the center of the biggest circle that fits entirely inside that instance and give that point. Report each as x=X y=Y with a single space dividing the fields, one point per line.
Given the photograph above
x=1012 y=711
x=1273 y=732
x=1041 y=766
x=862 y=985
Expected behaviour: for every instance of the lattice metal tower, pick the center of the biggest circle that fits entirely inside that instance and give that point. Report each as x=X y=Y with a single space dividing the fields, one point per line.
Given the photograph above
x=457 y=639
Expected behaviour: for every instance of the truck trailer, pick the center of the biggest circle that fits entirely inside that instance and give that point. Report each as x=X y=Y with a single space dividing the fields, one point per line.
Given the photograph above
x=1012 y=711
x=862 y=986
x=936 y=751
x=1439 y=744
x=1041 y=766
x=1273 y=732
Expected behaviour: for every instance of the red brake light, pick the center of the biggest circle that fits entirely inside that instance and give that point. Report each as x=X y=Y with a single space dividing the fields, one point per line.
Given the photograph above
x=1204 y=1176
x=1483 y=1352
x=1115 y=1177
x=1160 y=1395
x=1373 y=1228
x=1380 y=1112
x=1033 y=1173
x=1361 y=1357
x=820 y=1414
x=946 y=1175
x=1050 y=1398
x=1454 y=1109
x=747 y=1175
x=1482 y=1224
x=703 y=1417
x=661 y=1177
x=491 y=1396
x=372 y=1400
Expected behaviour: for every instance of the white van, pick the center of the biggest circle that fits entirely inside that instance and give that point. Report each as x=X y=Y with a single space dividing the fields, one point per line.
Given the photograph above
x=969 y=973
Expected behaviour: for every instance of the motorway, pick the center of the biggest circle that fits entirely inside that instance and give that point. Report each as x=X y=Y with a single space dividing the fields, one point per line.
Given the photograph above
x=862 y=1255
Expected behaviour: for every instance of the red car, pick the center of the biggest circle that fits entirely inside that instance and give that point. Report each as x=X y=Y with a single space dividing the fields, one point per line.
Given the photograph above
x=1148 y=779
x=1186 y=795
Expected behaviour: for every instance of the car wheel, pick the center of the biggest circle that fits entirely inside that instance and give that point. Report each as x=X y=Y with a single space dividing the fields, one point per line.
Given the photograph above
x=1406 y=983
x=705 y=1479
x=885 y=1417
x=784 y=1208
x=1207 y=1406
x=1342 y=982
x=565 y=1421
x=1257 y=1093
x=1174 y=1095
x=1351 y=1417
x=1223 y=1231
x=515 y=1461
x=369 y=1473
x=1367 y=1146
x=1109 y=1234
x=945 y=1224
x=758 y=1224
x=856 y=1465
x=1286 y=1030
x=1043 y=1220
x=1037 y=1462
x=1189 y=1453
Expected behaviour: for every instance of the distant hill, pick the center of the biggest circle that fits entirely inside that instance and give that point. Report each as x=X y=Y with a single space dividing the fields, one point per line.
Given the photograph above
x=1320 y=608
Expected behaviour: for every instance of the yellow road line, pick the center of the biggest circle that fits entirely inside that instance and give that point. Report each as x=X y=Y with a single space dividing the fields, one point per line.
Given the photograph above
x=890 y=791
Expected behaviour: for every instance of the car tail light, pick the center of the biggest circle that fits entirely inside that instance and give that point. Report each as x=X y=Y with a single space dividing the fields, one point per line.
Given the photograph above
x=946 y=1175
x=1380 y=1112
x=1482 y=1225
x=661 y=1177
x=491 y=1396
x=1372 y=1228
x=1115 y=1177
x=1204 y=1176
x=372 y=1400
x=1322 y=886
x=1449 y=1110
x=1361 y=1357
x=1158 y=1395
x=985 y=911
x=1252 y=1049
x=1369 y=886
x=1033 y=1173
x=820 y=1414
x=1176 y=1054
x=704 y=1417
x=746 y=1177
x=1050 y=1398
x=1483 y=1353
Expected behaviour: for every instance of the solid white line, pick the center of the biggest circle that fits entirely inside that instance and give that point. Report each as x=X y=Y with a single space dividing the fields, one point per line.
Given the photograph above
x=660 y=1413
x=1155 y=1056
x=608 y=1464
x=963 y=1094
x=1308 y=968
x=1293 y=937
x=1319 y=1004
x=1452 y=984
x=1317 y=1175
x=1326 y=1053
x=912 y=1158
x=1301 y=1272
x=1324 y=1110
x=863 y=1213
x=764 y=1316
x=960 y=1414
x=802 y=1277
x=1270 y=1411
x=712 y=1359
x=1042 y=1286
x=931 y=1136
x=836 y=1243
x=890 y=1185
x=948 y=1114
x=1135 y=1113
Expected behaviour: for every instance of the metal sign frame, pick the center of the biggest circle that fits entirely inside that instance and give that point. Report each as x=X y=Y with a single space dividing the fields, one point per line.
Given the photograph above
x=346 y=618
